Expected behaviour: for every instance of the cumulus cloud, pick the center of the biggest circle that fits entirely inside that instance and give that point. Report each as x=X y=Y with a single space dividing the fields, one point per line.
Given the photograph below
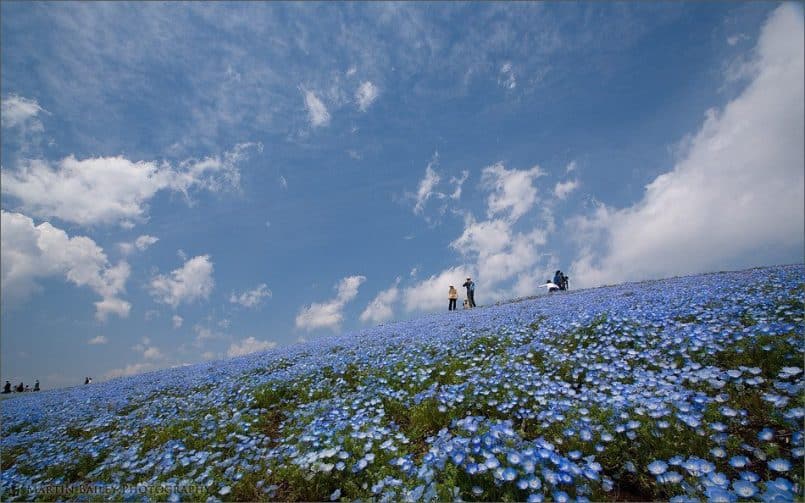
x=18 y=111
x=431 y=293
x=366 y=94
x=504 y=260
x=129 y=370
x=329 y=314
x=381 y=308
x=735 y=196
x=108 y=190
x=316 y=111
x=100 y=339
x=511 y=191
x=177 y=321
x=251 y=298
x=187 y=284
x=249 y=345
x=33 y=251
x=562 y=189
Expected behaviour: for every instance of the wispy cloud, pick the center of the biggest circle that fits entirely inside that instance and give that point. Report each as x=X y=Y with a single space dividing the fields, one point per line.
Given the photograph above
x=316 y=110
x=366 y=94
x=251 y=298
x=100 y=339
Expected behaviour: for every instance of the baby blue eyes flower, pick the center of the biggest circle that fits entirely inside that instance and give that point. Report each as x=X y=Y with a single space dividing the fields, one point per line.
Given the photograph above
x=744 y=488
x=718 y=452
x=509 y=474
x=779 y=465
x=335 y=495
x=513 y=458
x=225 y=490
x=738 y=461
x=477 y=491
x=561 y=497
x=657 y=467
x=765 y=434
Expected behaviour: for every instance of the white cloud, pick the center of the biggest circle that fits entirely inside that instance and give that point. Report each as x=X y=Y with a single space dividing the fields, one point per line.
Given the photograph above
x=177 y=321
x=734 y=198
x=381 y=308
x=38 y=251
x=208 y=355
x=458 y=182
x=562 y=189
x=98 y=340
x=571 y=167
x=366 y=94
x=512 y=191
x=329 y=314
x=431 y=294
x=152 y=353
x=506 y=76
x=499 y=253
x=283 y=182
x=19 y=111
x=108 y=190
x=249 y=345
x=426 y=185
x=317 y=112
x=129 y=370
x=190 y=282
x=251 y=298
x=142 y=243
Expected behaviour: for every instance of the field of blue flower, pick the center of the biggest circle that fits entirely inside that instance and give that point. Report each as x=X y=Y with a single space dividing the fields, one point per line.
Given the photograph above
x=686 y=388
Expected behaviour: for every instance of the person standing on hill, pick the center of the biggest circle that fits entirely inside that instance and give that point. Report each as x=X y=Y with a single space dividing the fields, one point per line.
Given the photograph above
x=470 y=286
x=452 y=295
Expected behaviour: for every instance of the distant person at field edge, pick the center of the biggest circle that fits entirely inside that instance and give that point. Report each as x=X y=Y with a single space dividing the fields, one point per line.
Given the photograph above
x=27 y=388
x=470 y=286
x=20 y=388
x=36 y=385
x=7 y=387
x=452 y=295
x=89 y=380
x=564 y=285
x=86 y=380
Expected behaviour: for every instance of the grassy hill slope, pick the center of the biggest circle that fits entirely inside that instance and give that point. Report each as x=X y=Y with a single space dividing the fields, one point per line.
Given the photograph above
x=681 y=388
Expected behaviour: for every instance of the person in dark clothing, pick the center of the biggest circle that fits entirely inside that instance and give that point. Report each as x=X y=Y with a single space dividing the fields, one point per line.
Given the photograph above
x=36 y=385
x=470 y=286
x=564 y=285
x=7 y=387
x=20 y=388
x=86 y=380
x=557 y=278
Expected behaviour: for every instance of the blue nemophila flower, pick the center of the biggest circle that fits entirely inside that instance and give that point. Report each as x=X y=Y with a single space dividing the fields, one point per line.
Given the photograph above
x=738 y=461
x=744 y=489
x=335 y=495
x=765 y=434
x=657 y=467
x=779 y=465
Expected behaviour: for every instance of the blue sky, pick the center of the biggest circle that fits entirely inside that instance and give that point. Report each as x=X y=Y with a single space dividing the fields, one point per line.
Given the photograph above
x=190 y=181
